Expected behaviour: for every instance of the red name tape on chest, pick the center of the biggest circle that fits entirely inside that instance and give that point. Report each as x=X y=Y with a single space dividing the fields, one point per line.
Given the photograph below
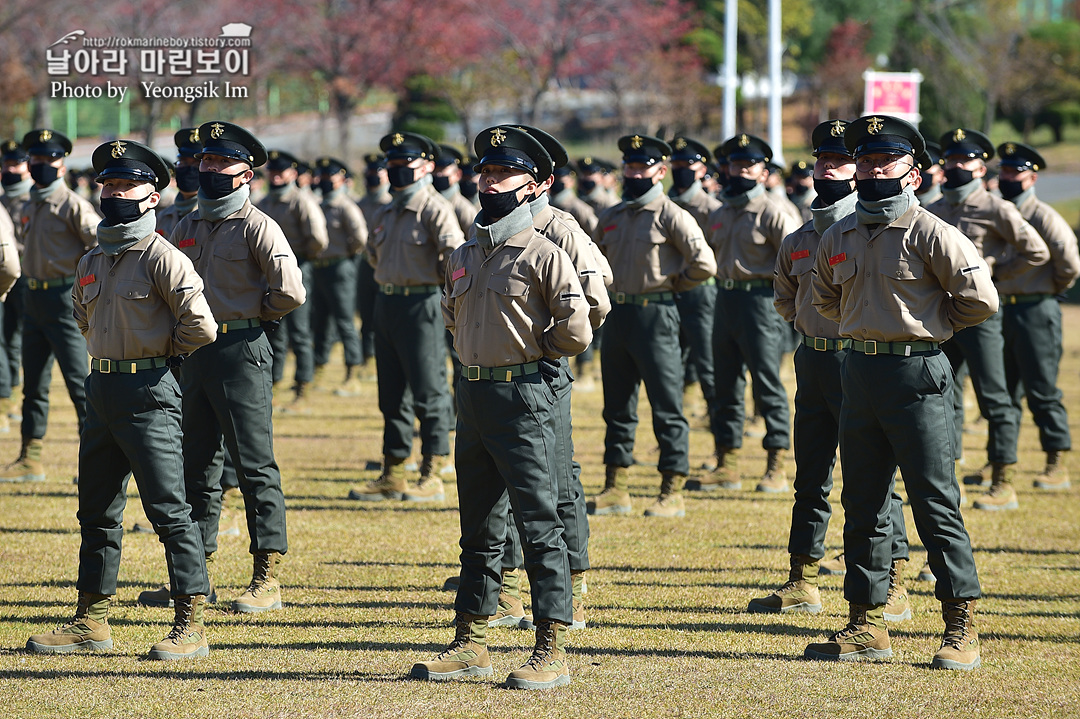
x=458 y=274
x=800 y=254
x=89 y=279
x=837 y=259
x=609 y=228
x=189 y=242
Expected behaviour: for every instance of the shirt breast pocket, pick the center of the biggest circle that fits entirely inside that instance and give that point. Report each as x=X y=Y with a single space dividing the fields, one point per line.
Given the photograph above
x=90 y=293
x=510 y=287
x=460 y=286
x=843 y=272
x=902 y=283
x=136 y=311
x=801 y=266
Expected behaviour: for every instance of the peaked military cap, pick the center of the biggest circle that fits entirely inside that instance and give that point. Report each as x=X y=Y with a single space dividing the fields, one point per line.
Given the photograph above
x=925 y=161
x=775 y=168
x=933 y=151
x=128 y=160
x=302 y=168
x=884 y=134
x=1020 y=156
x=565 y=171
x=448 y=155
x=800 y=168
x=49 y=143
x=644 y=148
x=408 y=146
x=687 y=150
x=969 y=143
x=331 y=166
x=375 y=160
x=588 y=165
x=11 y=150
x=468 y=167
x=281 y=160
x=512 y=147
x=745 y=147
x=187 y=141
x=228 y=140
x=829 y=137
x=555 y=149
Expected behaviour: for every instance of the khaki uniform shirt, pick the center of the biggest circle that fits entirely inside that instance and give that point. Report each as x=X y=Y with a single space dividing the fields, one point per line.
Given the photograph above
x=582 y=211
x=657 y=247
x=1003 y=237
x=299 y=216
x=57 y=233
x=793 y=292
x=464 y=211
x=780 y=197
x=519 y=304
x=10 y=267
x=409 y=245
x=345 y=227
x=369 y=204
x=746 y=239
x=1061 y=271
x=169 y=218
x=700 y=205
x=599 y=200
x=145 y=302
x=592 y=268
x=15 y=205
x=918 y=278
x=245 y=262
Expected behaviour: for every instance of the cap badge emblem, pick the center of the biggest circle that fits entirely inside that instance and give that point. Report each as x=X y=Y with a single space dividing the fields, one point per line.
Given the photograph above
x=397 y=139
x=837 y=129
x=217 y=130
x=680 y=143
x=498 y=137
x=193 y=136
x=45 y=136
x=118 y=149
x=635 y=142
x=958 y=135
x=875 y=125
x=744 y=141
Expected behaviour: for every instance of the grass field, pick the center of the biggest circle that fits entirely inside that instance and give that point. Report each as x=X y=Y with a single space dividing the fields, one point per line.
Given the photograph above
x=667 y=632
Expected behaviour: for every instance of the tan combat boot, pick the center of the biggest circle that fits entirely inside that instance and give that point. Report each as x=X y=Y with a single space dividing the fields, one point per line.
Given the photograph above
x=864 y=637
x=980 y=477
x=391 y=484
x=264 y=592
x=1001 y=494
x=725 y=476
x=836 y=566
x=615 y=499
x=350 y=386
x=301 y=398
x=546 y=668
x=960 y=645
x=187 y=638
x=1056 y=474
x=670 y=502
x=799 y=594
x=926 y=574
x=511 y=611
x=577 y=587
x=5 y=421
x=774 y=480
x=467 y=655
x=87 y=631
x=430 y=488
x=897 y=607
x=27 y=467
x=162 y=596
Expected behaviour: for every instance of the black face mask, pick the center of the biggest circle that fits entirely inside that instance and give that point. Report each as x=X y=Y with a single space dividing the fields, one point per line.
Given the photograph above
x=121 y=211
x=216 y=185
x=878 y=189
x=440 y=183
x=634 y=187
x=682 y=177
x=402 y=176
x=326 y=186
x=497 y=205
x=832 y=191
x=799 y=190
x=557 y=186
x=469 y=188
x=1010 y=188
x=957 y=176
x=372 y=180
x=926 y=184
x=584 y=187
x=738 y=184
x=187 y=178
x=10 y=178
x=44 y=175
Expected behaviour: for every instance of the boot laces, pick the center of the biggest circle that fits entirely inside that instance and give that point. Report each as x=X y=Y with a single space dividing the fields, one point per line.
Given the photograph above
x=545 y=646
x=957 y=618
x=260 y=575
x=894 y=585
x=462 y=637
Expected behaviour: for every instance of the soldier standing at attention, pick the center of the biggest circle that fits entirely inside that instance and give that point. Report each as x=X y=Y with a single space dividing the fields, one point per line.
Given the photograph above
x=1011 y=247
x=251 y=281
x=776 y=190
x=59 y=227
x=563 y=195
x=515 y=306
x=16 y=182
x=447 y=182
x=800 y=188
x=376 y=194
x=408 y=247
x=1031 y=315
x=655 y=249
x=334 y=277
x=10 y=271
x=296 y=211
x=818 y=360
x=592 y=187
x=929 y=190
x=748 y=333
x=899 y=281
x=187 y=181
x=689 y=164
x=144 y=290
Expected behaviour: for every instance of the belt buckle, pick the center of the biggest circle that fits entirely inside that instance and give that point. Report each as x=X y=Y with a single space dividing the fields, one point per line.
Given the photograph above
x=135 y=367
x=644 y=301
x=224 y=328
x=1012 y=299
x=821 y=344
x=620 y=298
x=104 y=366
x=387 y=289
x=870 y=347
x=472 y=372
x=728 y=284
